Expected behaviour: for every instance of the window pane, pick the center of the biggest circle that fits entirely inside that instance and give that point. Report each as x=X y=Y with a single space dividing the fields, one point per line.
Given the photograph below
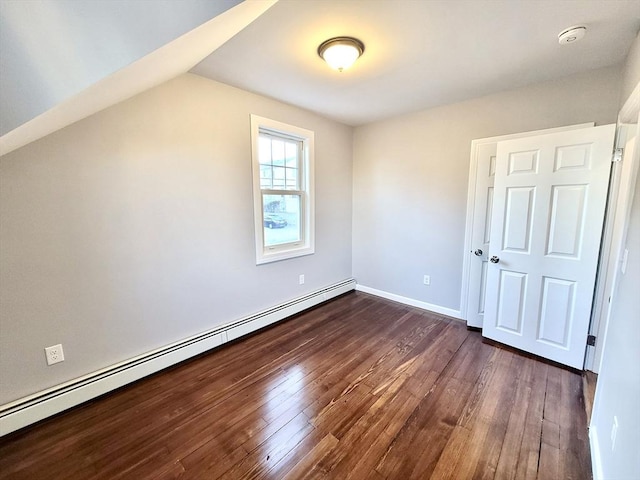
x=265 y=171
x=277 y=152
x=264 y=146
x=278 y=178
x=292 y=179
x=281 y=219
x=291 y=155
x=265 y=176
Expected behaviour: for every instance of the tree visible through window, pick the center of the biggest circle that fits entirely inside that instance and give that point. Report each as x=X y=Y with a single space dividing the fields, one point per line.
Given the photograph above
x=283 y=200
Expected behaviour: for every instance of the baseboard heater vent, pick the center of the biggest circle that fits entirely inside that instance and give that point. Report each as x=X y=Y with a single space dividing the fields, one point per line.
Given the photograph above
x=28 y=410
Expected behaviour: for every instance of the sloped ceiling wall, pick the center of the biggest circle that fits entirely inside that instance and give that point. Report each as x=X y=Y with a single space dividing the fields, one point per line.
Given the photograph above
x=51 y=50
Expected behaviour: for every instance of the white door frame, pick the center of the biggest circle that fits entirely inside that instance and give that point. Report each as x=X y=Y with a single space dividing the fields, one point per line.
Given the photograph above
x=623 y=180
x=471 y=201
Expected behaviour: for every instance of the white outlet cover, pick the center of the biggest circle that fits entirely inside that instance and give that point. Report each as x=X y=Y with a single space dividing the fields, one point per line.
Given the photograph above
x=54 y=354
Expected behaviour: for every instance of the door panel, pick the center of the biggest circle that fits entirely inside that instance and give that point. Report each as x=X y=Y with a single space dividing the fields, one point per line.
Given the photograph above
x=523 y=162
x=548 y=209
x=572 y=157
x=511 y=300
x=566 y=220
x=489 y=211
x=557 y=311
x=483 y=287
x=518 y=219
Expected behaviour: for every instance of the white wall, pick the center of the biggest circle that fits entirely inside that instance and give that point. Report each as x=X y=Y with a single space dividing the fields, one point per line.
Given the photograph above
x=618 y=386
x=411 y=174
x=133 y=229
x=631 y=71
x=51 y=50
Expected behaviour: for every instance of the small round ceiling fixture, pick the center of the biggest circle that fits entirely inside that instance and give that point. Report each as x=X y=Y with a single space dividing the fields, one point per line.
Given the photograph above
x=341 y=52
x=571 y=34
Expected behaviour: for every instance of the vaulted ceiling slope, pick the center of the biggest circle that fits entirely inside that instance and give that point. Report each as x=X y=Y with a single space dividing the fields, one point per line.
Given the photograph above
x=62 y=60
x=418 y=53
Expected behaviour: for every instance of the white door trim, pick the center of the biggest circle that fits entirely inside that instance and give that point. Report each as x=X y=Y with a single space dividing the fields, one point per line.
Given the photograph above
x=471 y=199
x=623 y=182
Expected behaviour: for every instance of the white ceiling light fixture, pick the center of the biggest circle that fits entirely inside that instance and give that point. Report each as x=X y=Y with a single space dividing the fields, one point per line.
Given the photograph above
x=571 y=34
x=341 y=52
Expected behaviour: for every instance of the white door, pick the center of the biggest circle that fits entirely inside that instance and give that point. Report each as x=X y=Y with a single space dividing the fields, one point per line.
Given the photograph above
x=486 y=168
x=549 y=200
x=478 y=229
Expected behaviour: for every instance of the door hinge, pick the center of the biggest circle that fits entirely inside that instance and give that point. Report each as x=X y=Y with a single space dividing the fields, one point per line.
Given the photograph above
x=591 y=340
x=617 y=155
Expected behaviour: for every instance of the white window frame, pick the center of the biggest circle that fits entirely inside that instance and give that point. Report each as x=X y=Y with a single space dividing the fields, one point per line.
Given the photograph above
x=306 y=245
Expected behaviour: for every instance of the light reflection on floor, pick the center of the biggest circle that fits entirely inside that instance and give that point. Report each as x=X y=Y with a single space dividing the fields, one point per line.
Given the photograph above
x=286 y=389
x=285 y=399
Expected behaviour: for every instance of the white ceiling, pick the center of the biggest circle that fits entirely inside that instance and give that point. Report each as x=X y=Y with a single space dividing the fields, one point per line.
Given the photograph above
x=419 y=53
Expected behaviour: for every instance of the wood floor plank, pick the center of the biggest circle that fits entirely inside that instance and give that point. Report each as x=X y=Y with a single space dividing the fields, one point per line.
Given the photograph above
x=433 y=420
x=529 y=455
x=374 y=421
x=574 y=437
x=366 y=443
x=476 y=420
x=504 y=392
x=359 y=388
x=305 y=468
x=267 y=455
x=212 y=460
x=453 y=454
x=514 y=440
x=304 y=448
x=549 y=464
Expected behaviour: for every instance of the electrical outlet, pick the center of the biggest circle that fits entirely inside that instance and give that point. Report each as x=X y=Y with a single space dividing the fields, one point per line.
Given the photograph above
x=427 y=280
x=301 y=279
x=54 y=354
x=614 y=432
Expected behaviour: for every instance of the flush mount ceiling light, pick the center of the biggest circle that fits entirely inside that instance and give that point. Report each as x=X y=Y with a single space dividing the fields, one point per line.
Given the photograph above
x=341 y=52
x=571 y=34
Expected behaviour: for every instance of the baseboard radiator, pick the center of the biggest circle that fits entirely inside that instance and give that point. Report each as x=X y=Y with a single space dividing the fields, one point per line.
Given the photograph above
x=28 y=410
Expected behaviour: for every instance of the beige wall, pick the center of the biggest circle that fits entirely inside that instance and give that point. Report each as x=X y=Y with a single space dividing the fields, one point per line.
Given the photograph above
x=411 y=173
x=133 y=229
x=631 y=71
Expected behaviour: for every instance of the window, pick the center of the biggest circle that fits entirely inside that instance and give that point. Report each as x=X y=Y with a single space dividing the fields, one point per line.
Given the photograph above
x=282 y=189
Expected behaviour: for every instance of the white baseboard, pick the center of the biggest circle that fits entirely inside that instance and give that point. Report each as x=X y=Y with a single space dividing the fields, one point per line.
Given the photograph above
x=410 y=301
x=28 y=410
x=596 y=459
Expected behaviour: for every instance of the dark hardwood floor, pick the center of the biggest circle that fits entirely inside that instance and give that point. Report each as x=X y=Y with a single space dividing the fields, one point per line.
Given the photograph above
x=359 y=388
